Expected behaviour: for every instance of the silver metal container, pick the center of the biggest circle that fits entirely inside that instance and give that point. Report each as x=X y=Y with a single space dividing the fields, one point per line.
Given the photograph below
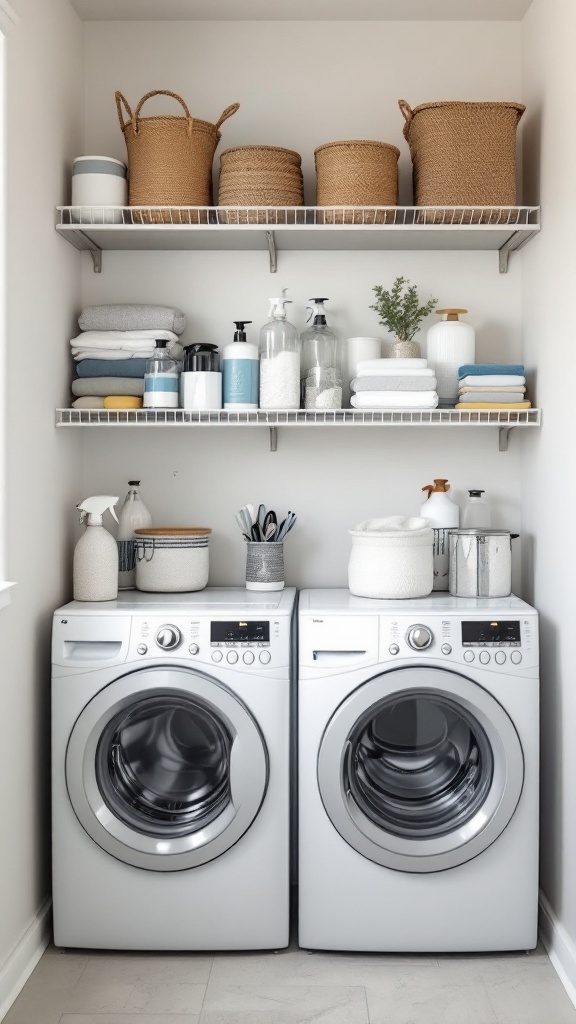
x=480 y=563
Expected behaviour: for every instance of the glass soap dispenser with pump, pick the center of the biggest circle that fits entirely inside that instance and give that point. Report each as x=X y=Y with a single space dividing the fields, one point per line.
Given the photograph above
x=475 y=514
x=279 y=359
x=321 y=362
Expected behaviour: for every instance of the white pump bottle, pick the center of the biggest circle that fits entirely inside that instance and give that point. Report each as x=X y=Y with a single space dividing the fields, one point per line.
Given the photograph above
x=96 y=553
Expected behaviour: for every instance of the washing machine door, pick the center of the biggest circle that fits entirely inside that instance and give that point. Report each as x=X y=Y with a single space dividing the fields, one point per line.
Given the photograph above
x=420 y=769
x=166 y=769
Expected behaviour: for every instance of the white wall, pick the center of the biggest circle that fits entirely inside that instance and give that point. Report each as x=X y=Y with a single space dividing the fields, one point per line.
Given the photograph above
x=44 y=121
x=549 y=482
x=299 y=87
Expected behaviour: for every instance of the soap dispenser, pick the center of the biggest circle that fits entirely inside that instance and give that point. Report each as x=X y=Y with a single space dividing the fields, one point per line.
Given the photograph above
x=240 y=367
x=443 y=515
x=321 y=362
x=279 y=359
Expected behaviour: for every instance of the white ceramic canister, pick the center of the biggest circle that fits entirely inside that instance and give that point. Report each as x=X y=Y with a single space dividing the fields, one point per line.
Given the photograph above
x=201 y=389
x=172 y=559
x=98 y=181
x=356 y=349
x=450 y=344
x=391 y=558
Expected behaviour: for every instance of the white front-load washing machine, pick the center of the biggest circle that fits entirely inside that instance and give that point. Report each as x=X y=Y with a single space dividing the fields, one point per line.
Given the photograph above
x=418 y=773
x=171 y=770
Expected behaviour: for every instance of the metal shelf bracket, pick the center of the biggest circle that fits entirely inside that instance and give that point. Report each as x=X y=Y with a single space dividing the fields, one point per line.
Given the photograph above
x=503 y=437
x=273 y=253
x=273 y=439
x=516 y=241
x=96 y=255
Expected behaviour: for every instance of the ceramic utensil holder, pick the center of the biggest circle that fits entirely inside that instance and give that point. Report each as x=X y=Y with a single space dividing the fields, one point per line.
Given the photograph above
x=264 y=565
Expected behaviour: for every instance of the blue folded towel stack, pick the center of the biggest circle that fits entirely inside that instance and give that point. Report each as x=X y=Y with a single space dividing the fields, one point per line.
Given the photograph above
x=492 y=385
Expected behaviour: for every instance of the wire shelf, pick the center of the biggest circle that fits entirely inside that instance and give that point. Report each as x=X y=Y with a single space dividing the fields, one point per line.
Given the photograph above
x=298 y=418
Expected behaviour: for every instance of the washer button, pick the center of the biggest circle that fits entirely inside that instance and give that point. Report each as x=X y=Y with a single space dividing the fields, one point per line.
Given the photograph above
x=193 y=648
x=500 y=657
x=217 y=656
x=484 y=657
x=469 y=655
x=394 y=649
x=264 y=657
x=515 y=657
x=248 y=657
x=446 y=649
x=142 y=649
x=232 y=657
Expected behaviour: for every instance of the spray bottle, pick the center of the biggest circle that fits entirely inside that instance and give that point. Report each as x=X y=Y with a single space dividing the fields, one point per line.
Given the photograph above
x=321 y=369
x=240 y=371
x=279 y=359
x=96 y=553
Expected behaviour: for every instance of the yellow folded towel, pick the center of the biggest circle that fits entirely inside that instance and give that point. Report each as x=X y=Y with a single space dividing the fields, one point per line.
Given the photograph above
x=122 y=402
x=494 y=405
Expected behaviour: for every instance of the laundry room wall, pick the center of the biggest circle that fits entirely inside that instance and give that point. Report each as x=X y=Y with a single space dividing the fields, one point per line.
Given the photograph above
x=44 y=93
x=549 y=482
x=300 y=86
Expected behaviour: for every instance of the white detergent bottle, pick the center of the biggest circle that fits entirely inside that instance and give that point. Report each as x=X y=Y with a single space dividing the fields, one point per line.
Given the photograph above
x=134 y=515
x=96 y=553
x=240 y=366
x=444 y=515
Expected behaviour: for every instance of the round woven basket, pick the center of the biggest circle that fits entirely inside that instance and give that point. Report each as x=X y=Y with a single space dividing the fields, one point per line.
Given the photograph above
x=356 y=173
x=463 y=154
x=169 y=157
x=259 y=176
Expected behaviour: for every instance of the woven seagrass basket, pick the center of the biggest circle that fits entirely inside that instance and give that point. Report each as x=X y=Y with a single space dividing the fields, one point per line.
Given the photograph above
x=463 y=154
x=169 y=158
x=259 y=176
x=357 y=173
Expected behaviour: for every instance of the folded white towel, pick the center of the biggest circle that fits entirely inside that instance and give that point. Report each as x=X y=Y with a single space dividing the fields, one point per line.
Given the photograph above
x=492 y=380
x=393 y=371
x=175 y=350
x=394 y=400
x=382 y=365
x=121 y=339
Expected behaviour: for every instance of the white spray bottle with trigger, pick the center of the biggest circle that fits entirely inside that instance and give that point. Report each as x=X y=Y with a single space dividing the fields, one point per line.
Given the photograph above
x=96 y=553
x=279 y=359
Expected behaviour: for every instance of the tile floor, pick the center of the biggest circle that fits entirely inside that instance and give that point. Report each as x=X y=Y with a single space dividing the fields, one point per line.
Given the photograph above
x=291 y=987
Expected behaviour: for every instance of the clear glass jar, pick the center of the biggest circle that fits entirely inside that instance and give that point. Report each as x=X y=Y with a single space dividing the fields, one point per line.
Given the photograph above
x=321 y=364
x=161 y=379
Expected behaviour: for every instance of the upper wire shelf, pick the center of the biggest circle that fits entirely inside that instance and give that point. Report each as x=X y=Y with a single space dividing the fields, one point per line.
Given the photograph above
x=99 y=228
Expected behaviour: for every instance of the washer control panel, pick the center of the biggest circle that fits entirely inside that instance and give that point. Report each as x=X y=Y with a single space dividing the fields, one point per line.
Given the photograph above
x=250 y=644
x=506 y=643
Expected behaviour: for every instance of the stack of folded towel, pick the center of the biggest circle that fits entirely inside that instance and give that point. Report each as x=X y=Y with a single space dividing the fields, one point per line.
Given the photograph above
x=492 y=386
x=393 y=384
x=112 y=350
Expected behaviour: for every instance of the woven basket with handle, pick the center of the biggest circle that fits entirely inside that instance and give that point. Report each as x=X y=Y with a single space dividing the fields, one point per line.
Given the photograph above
x=356 y=173
x=259 y=176
x=463 y=154
x=169 y=157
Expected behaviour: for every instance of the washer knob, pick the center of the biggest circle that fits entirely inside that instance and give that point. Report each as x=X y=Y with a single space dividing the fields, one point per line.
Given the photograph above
x=248 y=657
x=469 y=655
x=419 y=637
x=500 y=657
x=446 y=649
x=217 y=656
x=394 y=649
x=232 y=657
x=168 y=638
x=515 y=657
x=142 y=649
x=193 y=648
x=484 y=657
x=264 y=657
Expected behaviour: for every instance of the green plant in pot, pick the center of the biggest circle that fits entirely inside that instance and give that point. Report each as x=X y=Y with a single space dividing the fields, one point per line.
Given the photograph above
x=400 y=311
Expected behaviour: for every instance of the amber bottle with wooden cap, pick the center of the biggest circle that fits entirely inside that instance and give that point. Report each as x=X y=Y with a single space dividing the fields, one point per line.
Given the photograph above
x=450 y=344
x=444 y=515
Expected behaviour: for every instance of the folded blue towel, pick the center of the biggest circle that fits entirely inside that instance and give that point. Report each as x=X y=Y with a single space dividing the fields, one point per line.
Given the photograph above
x=478 y=369
x=111 y=367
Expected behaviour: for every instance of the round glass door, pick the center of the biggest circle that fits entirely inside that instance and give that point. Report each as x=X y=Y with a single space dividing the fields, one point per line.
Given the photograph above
x=166 y=769
x=420 y=769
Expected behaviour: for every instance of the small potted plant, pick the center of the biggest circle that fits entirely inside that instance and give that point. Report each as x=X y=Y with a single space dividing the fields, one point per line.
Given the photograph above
x=400 y=311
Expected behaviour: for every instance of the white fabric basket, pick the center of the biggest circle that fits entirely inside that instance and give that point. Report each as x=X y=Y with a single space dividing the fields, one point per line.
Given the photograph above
x=391 y=558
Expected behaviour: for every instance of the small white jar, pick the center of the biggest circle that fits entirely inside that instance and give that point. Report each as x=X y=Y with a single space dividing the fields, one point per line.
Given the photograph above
x=98 y=181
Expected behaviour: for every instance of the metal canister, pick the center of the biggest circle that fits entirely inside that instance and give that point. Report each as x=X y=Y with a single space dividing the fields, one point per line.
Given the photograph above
x=480 y=563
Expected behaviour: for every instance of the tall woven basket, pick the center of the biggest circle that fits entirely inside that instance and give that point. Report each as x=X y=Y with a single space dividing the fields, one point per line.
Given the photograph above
x=356 y=173
x=463 y=154
x=259 y=176
x=170 y=159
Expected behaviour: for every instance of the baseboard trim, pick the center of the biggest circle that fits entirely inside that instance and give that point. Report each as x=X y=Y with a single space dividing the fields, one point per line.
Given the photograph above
x=23 y=959
x=559 y=946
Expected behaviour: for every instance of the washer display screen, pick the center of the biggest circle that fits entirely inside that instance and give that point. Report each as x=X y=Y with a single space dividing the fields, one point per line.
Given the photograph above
x=240 y=632
x=491 y=634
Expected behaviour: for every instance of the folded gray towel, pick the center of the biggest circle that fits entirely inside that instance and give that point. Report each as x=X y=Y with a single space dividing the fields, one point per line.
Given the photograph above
x=132 y=317
x=393 y=384
x=104 y=386
x=491 y=396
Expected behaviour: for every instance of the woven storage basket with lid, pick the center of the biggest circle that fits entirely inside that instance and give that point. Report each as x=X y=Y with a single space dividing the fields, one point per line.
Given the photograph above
x=259 y=176
x=463 y=154
x=170 y=158
x=357 y=173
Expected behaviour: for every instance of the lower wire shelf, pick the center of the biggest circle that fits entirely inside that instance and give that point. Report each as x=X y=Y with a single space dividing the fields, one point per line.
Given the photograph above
x=504 y=419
